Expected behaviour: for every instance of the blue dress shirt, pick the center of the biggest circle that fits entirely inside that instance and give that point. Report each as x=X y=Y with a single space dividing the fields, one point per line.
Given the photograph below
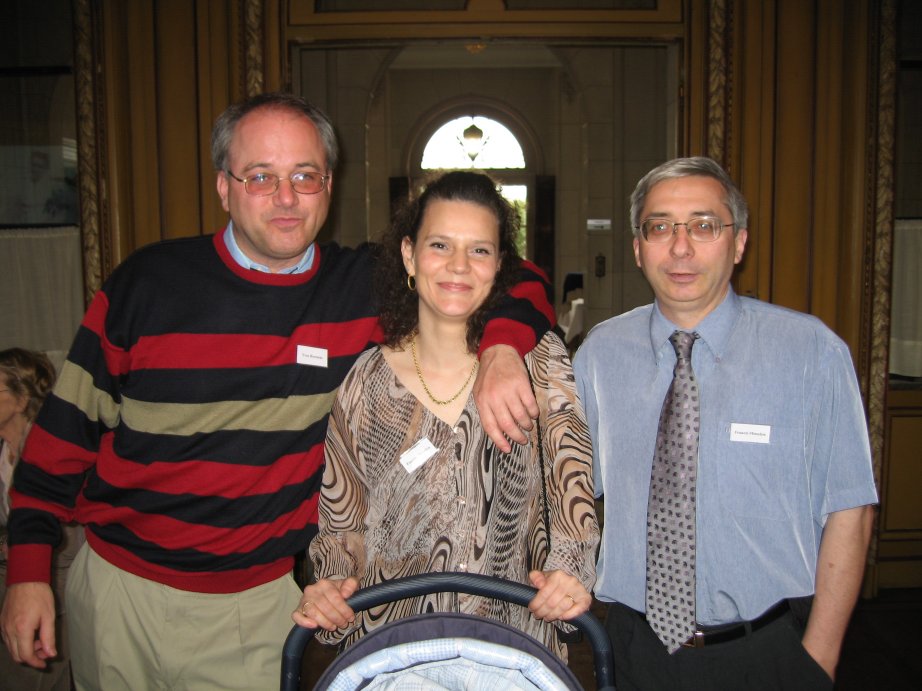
x=783 y=444
x=231 y=243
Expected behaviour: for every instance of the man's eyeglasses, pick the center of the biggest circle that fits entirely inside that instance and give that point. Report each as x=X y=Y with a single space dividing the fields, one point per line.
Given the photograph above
x=700 y=229
x=264 y=184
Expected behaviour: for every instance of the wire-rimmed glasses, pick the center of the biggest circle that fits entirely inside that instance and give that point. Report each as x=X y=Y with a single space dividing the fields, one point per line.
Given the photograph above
x=264 y=184
x=699 y=228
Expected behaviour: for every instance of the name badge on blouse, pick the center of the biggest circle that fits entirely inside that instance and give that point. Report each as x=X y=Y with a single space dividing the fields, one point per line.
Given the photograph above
x=314 y=357
x=751 y=434
x=416 y=455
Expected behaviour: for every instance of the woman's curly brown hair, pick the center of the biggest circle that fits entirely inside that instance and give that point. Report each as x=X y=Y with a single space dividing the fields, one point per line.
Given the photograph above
x=27 y=374
x=398 y=305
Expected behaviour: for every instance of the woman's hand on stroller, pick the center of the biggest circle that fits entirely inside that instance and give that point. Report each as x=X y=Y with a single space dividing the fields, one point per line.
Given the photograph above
x=323 y=604
x=560 y=596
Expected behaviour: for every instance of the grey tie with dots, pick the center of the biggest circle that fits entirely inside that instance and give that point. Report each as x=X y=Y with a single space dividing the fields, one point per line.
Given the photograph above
x=671 y=508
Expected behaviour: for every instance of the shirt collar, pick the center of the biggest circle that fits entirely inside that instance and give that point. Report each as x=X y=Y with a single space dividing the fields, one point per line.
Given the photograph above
x=714 y=330
x=231 y=243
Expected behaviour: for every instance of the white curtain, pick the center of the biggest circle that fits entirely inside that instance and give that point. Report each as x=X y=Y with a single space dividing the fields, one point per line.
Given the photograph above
x=41 y=288
x=906 y=308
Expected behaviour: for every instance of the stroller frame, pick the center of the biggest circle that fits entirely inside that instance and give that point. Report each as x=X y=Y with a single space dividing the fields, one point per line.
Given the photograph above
x=469 y=583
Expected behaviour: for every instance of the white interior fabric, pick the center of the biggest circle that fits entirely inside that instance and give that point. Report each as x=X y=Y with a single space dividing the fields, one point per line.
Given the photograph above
x=41 y=284
x=448 y=664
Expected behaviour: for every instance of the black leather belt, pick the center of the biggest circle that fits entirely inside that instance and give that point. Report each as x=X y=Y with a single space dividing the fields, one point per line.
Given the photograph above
x=723 y=634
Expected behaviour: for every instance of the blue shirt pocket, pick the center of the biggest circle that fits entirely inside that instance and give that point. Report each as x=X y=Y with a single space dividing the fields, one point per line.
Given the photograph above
x=760 y=479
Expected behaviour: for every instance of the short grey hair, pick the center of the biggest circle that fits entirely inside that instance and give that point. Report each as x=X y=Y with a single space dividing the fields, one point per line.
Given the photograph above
x=227 y=122
x=685 y=167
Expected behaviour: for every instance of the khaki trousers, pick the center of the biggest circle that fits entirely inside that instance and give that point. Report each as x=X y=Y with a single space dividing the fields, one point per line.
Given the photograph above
x=131 y=633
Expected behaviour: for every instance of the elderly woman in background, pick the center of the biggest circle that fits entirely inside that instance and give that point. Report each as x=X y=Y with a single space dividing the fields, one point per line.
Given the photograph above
x=412 y=483
x=26 y=377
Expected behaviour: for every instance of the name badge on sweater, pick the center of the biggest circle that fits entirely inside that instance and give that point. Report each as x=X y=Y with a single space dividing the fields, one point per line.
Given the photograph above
x=313 y=357
x=752 y=434
x=416 y=455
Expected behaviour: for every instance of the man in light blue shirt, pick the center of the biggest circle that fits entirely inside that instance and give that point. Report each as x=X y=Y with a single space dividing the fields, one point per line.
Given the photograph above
x=783 y=504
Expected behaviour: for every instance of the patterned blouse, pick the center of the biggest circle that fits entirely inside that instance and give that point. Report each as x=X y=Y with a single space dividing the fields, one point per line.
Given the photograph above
x=469 y=508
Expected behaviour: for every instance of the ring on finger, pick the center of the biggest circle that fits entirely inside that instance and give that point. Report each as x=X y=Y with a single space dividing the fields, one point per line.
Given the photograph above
x=305 y=607
x=572 y=600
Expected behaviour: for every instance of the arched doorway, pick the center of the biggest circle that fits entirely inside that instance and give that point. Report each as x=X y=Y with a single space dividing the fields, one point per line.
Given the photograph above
x=482 y=134
x=483 y=143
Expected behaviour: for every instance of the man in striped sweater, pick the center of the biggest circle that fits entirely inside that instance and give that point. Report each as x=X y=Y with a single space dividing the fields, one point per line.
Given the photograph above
x=187 y=429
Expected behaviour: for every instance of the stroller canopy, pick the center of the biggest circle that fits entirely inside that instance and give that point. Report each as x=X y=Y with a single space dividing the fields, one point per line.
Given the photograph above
x=448 y=652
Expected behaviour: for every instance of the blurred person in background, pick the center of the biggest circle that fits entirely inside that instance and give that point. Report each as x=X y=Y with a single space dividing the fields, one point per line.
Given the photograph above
x=26 y=377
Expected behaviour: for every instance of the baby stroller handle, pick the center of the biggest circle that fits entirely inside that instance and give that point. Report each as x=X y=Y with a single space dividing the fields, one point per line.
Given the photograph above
x=469 y=583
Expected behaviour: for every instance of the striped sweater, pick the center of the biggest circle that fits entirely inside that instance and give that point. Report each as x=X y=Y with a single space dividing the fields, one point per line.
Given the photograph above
x=187 y=427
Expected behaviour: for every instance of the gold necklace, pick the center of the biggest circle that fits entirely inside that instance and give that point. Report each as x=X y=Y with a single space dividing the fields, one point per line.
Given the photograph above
x=419 y=373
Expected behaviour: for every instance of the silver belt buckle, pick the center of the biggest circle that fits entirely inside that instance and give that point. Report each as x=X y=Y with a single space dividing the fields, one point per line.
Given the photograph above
x=696 y=641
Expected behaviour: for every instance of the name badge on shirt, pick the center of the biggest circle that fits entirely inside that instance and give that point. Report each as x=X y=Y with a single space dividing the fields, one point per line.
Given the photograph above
x=313 y=357
x=416 y=455
x=752 y=434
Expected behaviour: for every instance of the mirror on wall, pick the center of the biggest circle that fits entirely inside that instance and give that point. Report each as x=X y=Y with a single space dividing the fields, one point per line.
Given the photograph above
x=41 y=265
x=38 y=141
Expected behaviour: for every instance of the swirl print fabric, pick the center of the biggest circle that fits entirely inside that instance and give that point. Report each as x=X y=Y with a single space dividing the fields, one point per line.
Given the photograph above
x=469 y=507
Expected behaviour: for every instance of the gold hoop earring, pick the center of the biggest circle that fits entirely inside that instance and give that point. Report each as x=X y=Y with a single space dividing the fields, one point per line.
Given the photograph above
x=411 y=282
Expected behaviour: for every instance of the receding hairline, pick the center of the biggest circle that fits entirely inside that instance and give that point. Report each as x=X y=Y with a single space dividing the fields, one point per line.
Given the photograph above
x=273 y=109
x=225 y=125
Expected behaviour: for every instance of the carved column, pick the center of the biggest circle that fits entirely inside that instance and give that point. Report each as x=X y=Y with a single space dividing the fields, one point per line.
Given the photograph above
x=874 y=355
x=97 y=253
x=720 y=80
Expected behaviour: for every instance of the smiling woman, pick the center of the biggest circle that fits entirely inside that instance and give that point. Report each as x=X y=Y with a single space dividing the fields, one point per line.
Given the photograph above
x=411 y=478
x=453 y=260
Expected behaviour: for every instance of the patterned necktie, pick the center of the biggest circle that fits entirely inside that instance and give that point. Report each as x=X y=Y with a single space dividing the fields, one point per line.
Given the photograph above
x=671 y=508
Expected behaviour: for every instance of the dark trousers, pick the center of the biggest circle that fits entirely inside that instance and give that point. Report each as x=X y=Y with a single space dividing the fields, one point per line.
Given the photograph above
x=772 y=658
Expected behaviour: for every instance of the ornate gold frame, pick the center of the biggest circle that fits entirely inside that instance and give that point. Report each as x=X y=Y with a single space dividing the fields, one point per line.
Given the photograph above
x=91 y=167
x=720 y=22
x=253 y=46
x=874 y=358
